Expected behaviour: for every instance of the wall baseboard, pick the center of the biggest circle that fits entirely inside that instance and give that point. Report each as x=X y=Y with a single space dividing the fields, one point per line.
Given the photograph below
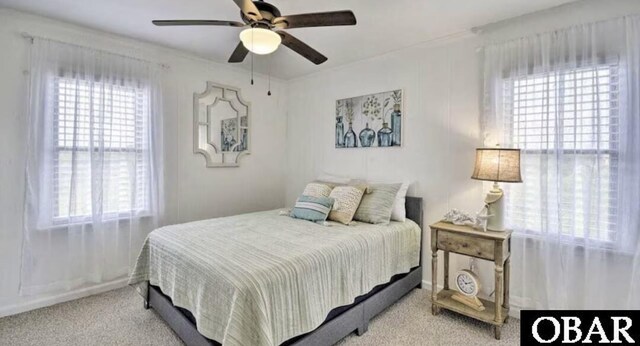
x=514 y=311
x=38 y=303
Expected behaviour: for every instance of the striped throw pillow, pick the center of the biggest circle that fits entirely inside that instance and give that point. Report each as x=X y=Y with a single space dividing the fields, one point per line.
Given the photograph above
x=376 y=206
x=312 y=208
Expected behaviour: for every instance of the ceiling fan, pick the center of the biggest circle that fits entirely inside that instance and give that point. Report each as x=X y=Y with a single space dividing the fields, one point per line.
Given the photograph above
x=265 y=24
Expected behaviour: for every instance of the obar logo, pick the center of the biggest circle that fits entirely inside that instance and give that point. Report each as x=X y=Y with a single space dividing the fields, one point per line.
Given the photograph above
x=564 y=327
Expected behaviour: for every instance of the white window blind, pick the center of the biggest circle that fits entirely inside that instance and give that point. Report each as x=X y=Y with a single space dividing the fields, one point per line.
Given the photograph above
x=104 y=126
x=566 y=124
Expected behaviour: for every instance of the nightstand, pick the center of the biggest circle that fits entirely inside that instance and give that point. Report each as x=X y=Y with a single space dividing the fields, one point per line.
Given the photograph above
x=490 y=246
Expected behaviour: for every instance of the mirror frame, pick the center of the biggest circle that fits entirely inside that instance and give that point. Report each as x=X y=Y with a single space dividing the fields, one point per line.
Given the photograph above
x=226 y=158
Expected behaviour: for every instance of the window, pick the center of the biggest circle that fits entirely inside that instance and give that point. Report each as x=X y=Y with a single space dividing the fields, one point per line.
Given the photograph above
x=572 y=115
x=103 y=126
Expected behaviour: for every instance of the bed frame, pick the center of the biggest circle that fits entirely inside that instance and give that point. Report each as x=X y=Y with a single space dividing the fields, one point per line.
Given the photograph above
x=340 y=322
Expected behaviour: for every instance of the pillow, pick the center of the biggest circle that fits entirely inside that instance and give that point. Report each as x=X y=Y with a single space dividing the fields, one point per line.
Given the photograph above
x=333 y=179
x=376 y=206
x=399 y=212
x=317 y=189
x=312 y=208
x=347 y=199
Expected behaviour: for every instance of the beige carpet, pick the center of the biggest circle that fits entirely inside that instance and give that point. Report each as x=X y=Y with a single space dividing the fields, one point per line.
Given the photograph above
x=117 y=318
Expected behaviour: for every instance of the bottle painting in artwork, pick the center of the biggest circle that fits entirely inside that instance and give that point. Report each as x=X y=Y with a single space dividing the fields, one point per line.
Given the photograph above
x=396 y=118
x=339 y=125
x=350 y=139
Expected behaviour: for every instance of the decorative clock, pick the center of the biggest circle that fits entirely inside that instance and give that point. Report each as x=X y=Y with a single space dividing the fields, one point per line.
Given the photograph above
x=468 y=285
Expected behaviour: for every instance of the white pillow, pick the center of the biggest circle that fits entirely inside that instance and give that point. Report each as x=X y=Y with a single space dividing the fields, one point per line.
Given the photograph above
x=334 y=179
x=399 y=212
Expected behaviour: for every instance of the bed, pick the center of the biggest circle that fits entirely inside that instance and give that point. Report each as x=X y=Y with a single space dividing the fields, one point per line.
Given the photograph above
x=266 y=279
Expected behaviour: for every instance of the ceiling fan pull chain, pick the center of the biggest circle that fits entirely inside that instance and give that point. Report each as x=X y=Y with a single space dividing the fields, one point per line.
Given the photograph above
x=252 y=58
x=269 y=91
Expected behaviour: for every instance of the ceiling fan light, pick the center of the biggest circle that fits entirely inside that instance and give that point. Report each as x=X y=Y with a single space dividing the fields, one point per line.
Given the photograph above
x=260 y=41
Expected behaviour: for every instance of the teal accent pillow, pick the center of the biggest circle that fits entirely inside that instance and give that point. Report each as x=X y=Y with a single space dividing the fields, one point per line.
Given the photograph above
x=312 y=208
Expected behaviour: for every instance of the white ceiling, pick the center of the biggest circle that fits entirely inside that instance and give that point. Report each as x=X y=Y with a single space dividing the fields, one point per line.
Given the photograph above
x=383 y=26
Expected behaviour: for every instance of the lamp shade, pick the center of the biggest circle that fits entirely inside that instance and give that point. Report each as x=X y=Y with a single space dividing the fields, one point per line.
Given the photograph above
x=260 y=41
x=497 y=164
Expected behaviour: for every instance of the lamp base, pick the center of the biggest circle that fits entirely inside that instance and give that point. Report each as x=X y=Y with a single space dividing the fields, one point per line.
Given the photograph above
x=495 y=208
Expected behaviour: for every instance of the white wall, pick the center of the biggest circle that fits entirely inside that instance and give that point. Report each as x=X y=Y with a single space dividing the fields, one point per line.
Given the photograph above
x=192 y=191
x=442 y=88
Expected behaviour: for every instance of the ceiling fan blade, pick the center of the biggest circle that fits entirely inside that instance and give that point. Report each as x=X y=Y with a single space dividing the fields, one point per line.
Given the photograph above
x=302 y=48
x=197 y=22
x=239 y=53
x=249 y=9
x=315 y=19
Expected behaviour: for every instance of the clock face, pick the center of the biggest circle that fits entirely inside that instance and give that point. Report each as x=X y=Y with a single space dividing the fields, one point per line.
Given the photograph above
x=466 y=284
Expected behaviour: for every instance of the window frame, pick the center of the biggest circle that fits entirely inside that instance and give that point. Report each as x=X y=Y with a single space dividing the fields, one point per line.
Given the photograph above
x=142 y=210
x=508 y=99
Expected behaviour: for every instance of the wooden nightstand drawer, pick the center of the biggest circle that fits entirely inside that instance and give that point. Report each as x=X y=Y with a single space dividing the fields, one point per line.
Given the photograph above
x=476 y=247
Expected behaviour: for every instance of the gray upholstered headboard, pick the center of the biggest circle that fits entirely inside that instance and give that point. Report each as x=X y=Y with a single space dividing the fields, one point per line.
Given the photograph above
x=414 y=210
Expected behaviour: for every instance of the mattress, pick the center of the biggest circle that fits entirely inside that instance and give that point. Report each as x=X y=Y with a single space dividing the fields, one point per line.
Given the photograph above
x=263 y=278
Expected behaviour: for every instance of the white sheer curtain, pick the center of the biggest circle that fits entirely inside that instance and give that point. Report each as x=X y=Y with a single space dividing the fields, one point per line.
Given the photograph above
x=570 y=99
x=94 y=165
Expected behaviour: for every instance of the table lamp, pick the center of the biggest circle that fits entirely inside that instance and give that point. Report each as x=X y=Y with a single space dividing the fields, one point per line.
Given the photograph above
x=497 y=165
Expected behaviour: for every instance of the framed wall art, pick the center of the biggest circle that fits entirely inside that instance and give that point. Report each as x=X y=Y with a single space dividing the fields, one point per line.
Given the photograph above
x=373 y=120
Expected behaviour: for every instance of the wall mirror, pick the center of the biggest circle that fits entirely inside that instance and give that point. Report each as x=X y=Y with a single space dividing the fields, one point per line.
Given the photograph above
x=221 y=125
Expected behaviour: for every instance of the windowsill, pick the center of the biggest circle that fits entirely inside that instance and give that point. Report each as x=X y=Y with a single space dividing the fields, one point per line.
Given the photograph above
x=578 y=243
x=61 y=223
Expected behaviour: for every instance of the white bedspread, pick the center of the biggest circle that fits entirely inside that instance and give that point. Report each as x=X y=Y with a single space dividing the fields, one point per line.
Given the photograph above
x=261 y=278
